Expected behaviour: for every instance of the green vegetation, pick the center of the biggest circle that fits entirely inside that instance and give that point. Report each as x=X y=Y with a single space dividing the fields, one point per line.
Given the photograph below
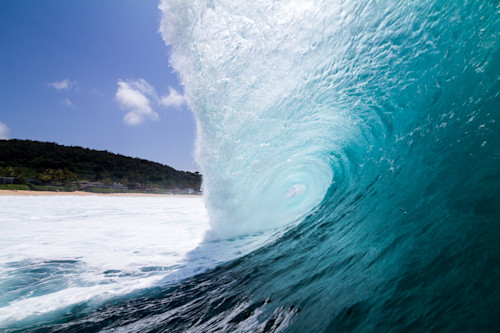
x=49 y=166
x=19 y=187
x=110 y=190
x=56 y=176
x=69 y=188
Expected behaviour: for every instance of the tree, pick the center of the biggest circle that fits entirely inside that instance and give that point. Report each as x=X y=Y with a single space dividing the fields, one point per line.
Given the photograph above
x=8 y=171
x=57 y=176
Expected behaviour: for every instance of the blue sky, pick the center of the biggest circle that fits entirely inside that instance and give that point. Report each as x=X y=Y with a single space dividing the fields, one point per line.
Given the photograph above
x=93 y=74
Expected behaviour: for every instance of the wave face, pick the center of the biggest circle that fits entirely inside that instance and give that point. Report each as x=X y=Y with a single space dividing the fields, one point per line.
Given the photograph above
x=295 y=98
x=368 y=132
x=377 y=120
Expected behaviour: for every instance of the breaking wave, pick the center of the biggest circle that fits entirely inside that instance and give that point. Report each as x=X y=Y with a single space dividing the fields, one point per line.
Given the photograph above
x=367 y=133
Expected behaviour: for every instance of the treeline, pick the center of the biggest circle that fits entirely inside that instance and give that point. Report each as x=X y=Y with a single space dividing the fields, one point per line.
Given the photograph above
x=50 y=163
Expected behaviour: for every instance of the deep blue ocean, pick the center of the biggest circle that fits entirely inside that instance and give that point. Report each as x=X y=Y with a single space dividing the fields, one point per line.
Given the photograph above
x=367 y=135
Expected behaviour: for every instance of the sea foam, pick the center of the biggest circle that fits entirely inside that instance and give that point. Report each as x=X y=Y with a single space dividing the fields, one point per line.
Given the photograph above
x=62 y=251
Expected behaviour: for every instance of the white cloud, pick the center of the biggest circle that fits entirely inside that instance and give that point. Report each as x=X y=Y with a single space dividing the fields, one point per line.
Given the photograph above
x=173 y=99
x=139 y=98
x=135 y=97
x=4 y=131
x=65 y=84
x=68 y=103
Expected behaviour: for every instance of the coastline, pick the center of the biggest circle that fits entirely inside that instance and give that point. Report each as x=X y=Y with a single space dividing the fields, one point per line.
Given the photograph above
x=82 y=193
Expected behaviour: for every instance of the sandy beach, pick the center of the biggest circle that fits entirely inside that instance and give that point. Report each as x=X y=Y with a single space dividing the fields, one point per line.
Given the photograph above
x=81 y=193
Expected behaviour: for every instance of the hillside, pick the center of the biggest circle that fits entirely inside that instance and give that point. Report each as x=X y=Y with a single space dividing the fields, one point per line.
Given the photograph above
x=43 y=162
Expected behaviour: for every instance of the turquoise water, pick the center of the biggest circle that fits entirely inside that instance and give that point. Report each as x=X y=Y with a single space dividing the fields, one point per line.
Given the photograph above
x=362 y=135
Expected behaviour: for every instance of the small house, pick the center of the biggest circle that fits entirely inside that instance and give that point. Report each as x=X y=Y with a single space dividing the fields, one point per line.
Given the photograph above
x=6 y=180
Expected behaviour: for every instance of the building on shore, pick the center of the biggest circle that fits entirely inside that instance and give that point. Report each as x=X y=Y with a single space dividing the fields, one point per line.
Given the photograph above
x=6 y=180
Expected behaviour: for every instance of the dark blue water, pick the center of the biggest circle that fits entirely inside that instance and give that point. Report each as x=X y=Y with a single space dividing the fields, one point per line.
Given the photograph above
x=373 y=123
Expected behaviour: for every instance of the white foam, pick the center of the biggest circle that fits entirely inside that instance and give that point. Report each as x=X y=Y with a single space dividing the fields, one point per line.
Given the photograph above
x=114 y=245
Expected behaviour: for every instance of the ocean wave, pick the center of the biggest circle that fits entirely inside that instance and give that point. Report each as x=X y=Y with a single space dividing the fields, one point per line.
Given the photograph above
x=360 y=140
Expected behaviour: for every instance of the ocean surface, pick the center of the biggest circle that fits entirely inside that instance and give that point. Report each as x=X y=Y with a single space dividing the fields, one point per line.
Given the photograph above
x=61 y=253
x=350 y=153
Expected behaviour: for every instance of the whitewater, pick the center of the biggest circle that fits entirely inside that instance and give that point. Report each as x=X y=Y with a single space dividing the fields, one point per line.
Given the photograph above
x=350 y=155
x=63 y=251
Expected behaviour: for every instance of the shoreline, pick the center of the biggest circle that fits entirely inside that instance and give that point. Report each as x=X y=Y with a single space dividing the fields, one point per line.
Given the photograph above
x=82 y=193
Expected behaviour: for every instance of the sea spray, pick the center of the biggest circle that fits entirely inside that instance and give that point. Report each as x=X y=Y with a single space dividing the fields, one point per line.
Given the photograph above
x=267 y=122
